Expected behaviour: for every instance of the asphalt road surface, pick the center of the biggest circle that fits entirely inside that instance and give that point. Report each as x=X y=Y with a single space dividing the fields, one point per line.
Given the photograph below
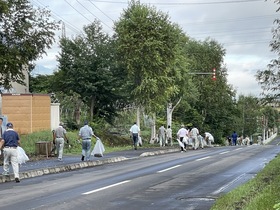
x=181 y=181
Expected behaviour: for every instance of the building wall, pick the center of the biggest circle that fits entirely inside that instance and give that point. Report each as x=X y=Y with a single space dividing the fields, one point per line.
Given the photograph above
x=28 y=112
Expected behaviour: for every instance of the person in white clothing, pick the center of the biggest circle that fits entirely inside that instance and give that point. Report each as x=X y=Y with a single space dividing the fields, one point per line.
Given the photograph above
x=169 y=136
x=135 y=133
x=161 y=135
x=182 y=132
x=209 y=138
x=194 y=134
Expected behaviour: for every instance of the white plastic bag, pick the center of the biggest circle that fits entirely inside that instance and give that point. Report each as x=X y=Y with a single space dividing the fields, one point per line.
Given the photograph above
x=22 y=157
x=98 y=149
x=139 y=141
x=180 y=143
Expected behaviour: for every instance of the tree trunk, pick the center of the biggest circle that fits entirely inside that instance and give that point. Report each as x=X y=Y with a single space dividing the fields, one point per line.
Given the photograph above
x=92 y=104
x=153 y=129
x=169 y=112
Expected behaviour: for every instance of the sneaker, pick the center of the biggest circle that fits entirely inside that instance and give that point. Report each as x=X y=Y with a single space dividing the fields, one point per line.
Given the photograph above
x=59 y=159
x=17 y=179
x=83 y=158
x=5 y=173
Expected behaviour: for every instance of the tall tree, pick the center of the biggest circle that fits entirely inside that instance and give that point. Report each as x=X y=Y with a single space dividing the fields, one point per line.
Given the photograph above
x=86 y=68
x=270 y=77
x=149 y=45
x=25 y=34
x=212 y=110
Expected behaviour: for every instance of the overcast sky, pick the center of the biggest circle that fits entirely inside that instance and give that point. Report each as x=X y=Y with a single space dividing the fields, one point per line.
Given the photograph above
x=243 y=27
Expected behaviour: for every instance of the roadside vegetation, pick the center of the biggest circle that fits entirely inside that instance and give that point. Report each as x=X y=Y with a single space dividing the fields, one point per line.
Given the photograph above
x=260 y=193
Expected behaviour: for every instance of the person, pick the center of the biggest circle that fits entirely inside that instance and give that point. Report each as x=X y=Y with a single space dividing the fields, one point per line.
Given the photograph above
x=246 y=141
x=201 y=141
x=229 y=140
x=10 y=140
x=2 y=127
x=59 y=137
x=234 y=137
x=169 y=136
x=209 y=138
x=85 y=134
x=161 y=135
x=194 y=133
x=135 y=133
x=181 y=134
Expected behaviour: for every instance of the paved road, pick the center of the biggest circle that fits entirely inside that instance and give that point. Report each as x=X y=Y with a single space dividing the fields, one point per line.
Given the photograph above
x=52 y=165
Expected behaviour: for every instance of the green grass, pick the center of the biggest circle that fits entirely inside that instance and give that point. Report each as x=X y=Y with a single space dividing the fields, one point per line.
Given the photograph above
x=111 y=142
x=260 y=193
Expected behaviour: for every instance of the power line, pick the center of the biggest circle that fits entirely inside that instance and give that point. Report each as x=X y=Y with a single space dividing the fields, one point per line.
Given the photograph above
x=58 y=17
x=184 y=3
x=101 y=11
x=77 y=11
x=93 y=14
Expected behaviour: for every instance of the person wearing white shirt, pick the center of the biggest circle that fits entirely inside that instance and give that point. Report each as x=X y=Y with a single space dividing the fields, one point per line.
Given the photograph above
x=181 y=134
x=135 y=133
x=209 y=138
x=194 y=134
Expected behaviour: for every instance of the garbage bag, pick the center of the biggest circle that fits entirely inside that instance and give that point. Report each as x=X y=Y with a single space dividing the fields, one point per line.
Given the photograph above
x=180 y=143
x=98 y=149
x=22 y=157
x=140 y=141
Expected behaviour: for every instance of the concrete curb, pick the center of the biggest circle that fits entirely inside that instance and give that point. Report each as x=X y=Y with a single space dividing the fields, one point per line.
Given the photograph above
x=59 y=169
x=78 y=165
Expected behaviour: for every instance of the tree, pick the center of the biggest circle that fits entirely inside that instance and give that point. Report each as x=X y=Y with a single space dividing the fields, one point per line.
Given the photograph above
x=250 y=112
x=25 y=34
x=270 y=77
x=211 y=107
x=149 y=45
x=86 y=67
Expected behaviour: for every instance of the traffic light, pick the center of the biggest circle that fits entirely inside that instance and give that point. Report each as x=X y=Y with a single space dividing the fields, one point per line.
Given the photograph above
x=214 y=75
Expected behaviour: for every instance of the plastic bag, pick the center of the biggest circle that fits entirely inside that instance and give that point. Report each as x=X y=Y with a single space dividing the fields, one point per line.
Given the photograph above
x=180 y=143
x=140 y=141
x=22 y=157
x=98 y=149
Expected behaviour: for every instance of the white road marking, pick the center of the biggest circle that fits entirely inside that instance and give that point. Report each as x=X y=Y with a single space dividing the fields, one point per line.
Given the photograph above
x=167 y=169
x=202 y=158
x=227 y=185
x=238 y=148
x=104 y=188
x=224 y=152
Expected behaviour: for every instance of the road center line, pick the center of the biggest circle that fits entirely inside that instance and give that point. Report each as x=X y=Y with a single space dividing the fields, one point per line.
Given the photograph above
x=202 y=158
x=167 y=169
x=224 y=152
x=104 y=188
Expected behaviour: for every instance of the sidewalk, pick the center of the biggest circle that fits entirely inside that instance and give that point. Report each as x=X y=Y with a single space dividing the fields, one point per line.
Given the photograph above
x=52 y=165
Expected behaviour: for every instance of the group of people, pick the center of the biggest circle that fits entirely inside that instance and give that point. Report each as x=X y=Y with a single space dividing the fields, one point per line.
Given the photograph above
x=85 y=134
x=10 y=141
x=234 y=140
x=185 y=137
x=191 y=137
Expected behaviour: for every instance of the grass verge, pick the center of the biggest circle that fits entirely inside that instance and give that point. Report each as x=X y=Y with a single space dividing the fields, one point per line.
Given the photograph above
x=260 y=193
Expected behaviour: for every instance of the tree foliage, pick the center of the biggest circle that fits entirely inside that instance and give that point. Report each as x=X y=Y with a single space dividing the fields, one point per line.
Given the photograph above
x=149 y=46
x=86 y=68
x=25 y=34
x=270 y=77
x=212 y=109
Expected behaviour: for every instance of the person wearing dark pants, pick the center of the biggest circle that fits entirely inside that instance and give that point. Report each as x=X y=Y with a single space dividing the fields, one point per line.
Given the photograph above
x=135 y=133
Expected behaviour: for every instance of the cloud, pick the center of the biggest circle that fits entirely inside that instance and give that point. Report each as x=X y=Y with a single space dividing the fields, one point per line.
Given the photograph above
x=242 y=27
